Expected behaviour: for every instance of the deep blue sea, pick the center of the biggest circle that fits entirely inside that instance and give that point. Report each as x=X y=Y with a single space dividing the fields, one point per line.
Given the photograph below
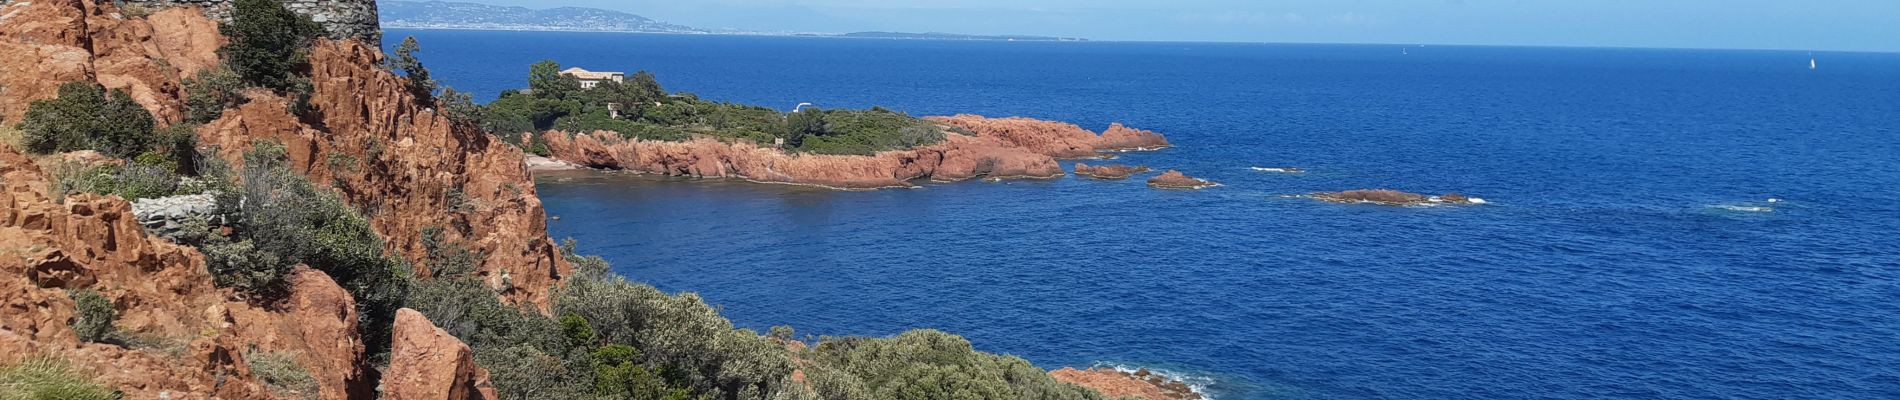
x=1630 y=250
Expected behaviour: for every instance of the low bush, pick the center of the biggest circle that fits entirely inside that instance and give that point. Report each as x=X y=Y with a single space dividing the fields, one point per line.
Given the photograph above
x=49 y=378
x=131 y=181
x=241 y=266
x=11 y=136
x=269 y=43
x=288 y=217
x=281 y=373
x=211 y=92
x=928 y=364
x=527 y=354
x=93 y=316
x=680 y=334
x=86 y=117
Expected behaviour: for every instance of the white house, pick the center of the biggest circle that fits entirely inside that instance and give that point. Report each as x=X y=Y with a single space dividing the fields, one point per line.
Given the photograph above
x=590 y=79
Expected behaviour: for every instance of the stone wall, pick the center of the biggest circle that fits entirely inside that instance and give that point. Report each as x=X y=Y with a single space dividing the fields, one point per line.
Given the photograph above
x=343 y=18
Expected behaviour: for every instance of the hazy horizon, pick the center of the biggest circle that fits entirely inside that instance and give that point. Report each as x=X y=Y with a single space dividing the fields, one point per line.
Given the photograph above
x=1842 y=25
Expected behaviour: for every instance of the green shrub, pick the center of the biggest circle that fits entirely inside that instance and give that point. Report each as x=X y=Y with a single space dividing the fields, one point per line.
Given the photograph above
x=131 y=181
x=269 y=43
x=86 y=117
x=928 y=364
x=243 y=267
x=680 y=334
x=621 y=373
x=93 y=316
x=11 y=136
x=49 y=378
x=281 y=373
x=527 y=354
x=420 y=85
x=547 y=82
x=446 y=259
x=211 y=92
x=288 y=217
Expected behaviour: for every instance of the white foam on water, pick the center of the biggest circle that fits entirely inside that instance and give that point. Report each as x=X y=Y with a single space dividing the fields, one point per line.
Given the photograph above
x=1279 y=170
x=1196 y=383
x=1747 y=209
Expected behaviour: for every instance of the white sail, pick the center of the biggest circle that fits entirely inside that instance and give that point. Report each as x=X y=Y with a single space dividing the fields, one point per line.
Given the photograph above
x=1812 y=65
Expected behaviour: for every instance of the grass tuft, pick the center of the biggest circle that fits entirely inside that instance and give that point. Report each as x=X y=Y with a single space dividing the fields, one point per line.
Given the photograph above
x=47 y=377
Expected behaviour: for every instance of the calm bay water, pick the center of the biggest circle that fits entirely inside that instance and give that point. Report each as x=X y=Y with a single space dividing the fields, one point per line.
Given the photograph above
x=1616 y=260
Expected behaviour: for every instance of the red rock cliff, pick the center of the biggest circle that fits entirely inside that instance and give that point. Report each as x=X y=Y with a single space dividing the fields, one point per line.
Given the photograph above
x=50 y=42
x=1007 y=148
x=956 y=158
x=409 y=167
x=406 y=165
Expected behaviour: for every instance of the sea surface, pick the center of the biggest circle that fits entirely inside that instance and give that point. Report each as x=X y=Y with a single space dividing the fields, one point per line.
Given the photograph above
x=1630 y=249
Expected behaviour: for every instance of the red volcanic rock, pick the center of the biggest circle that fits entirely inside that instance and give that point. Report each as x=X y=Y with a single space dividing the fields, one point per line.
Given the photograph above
x=1109 y=171
x=426 y=363
x=1122 y=138
x=48 y=43
x=404 y=160
x=1394 y=198
x=956 y=158
x=1055 y=139
x=163 y=293
x=1116 y=384
x=1380 y=196
x=1177 y=180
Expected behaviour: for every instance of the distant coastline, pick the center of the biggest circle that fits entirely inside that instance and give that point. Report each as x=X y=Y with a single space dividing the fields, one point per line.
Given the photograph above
x=441 y=15
x=853 y=35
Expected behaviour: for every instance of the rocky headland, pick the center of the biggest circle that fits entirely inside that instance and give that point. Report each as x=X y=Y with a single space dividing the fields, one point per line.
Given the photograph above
x=994 y=148
x=1109 y=172
x=1177 y=180
x=1140 y=384
x=1395 y=198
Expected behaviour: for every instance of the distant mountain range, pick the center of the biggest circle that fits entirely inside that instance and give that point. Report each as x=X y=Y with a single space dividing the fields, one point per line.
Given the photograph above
x=448 y=15
x=454 y=15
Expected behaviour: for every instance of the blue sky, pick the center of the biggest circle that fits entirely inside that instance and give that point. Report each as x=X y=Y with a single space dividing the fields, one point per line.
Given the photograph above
x=1860 y=25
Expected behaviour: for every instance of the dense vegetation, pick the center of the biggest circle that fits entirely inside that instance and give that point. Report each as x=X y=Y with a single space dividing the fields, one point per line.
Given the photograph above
x=269 y=44
x=646 y=111
x=86 y=117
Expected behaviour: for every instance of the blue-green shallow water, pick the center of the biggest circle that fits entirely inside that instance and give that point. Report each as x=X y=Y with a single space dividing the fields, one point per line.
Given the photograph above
x=1606 y=266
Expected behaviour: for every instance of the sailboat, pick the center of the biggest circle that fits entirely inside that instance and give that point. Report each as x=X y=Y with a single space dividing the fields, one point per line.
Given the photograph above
x=1812 y=65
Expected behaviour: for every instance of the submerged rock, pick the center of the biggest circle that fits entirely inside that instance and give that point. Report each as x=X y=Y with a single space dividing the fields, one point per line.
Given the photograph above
x=1394 y=198
x=1177 y=180
x=1109 y=172
x=1141 y=384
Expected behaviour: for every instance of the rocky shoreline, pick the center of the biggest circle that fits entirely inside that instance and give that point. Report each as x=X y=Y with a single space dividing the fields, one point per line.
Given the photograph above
x=1177 y=180
x=996 y=149
x=1109 y=172
x=1140 y=383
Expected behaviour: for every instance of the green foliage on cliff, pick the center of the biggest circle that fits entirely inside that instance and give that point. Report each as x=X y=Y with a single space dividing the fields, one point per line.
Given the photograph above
x=286 y=216
x=927 y=364
x=211 y=92
x=680 y=337
x=269 y=43
x=281 y=373
x=646 y=111
x=92 y=316
x=86 y=117
x=49 y=378
x=420 y=84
